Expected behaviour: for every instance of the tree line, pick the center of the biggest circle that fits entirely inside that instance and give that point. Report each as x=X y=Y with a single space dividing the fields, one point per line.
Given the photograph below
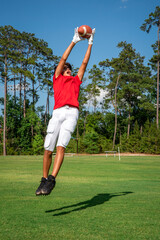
x=126 y=115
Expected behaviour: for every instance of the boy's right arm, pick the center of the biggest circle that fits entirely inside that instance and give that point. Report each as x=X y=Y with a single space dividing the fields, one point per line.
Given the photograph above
x=83 y=66
x=76 y=38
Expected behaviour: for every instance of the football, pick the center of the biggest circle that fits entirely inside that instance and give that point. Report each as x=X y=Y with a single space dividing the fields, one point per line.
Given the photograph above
x=85 y=31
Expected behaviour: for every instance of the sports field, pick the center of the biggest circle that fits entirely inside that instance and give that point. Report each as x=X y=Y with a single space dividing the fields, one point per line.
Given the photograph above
x=95 y=198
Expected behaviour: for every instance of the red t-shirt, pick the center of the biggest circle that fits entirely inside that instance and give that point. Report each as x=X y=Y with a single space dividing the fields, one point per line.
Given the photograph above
x=66 y=90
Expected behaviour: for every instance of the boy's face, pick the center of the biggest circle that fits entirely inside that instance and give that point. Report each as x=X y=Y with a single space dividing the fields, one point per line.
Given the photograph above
x=67 y=72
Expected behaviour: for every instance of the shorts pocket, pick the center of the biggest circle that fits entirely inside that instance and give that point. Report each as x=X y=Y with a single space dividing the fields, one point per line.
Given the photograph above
x=52 y=125
x=70 y=125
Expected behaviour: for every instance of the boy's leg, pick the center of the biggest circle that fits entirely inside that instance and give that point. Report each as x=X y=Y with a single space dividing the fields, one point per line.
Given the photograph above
x=49 y=184
x=47 y=160
x=66 y=129
x=58 y=160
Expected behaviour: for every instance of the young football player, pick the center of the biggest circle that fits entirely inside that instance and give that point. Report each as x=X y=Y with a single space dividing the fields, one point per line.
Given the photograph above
x=65 y=113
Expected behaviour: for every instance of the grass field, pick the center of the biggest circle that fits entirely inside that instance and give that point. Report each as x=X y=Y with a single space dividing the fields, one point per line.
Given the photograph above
x=95 y=198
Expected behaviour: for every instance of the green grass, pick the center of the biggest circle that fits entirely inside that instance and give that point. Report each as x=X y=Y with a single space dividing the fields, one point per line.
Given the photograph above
x=95 y=199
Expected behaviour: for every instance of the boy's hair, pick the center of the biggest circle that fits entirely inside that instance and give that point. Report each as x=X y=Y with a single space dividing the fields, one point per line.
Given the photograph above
x=67 y=65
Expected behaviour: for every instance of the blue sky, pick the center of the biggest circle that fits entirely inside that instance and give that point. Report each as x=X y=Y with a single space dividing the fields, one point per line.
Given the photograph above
x=55 y=20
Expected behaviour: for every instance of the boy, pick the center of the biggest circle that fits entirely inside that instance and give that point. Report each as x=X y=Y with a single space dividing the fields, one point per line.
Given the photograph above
x=65 y=113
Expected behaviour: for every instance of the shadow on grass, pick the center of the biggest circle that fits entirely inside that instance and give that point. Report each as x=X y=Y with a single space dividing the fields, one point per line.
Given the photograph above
x=96 y=200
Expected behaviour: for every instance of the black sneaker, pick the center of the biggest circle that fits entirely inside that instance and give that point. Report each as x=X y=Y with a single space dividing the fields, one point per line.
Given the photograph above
x=49 y=185
x=39 y=189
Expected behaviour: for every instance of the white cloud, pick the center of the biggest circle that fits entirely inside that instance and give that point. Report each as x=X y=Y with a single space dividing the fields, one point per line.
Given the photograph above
x=102 y=95
x=123 y=2
x=99 y=99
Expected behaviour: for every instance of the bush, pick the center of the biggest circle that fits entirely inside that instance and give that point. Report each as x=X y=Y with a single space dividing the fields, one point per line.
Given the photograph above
x=90 y=142
x=37 y=144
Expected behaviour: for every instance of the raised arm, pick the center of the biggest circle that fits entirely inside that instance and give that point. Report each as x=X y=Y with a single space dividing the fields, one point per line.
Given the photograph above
x=86 y=57
x=83 y=66
x=65 y=55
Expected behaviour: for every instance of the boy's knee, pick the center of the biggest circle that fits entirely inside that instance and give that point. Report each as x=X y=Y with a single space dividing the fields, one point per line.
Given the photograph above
x=60 y=149
x=49 y=153
x=50 y=141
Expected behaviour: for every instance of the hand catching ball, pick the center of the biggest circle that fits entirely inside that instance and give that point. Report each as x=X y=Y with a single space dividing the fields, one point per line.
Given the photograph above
x=85 y=31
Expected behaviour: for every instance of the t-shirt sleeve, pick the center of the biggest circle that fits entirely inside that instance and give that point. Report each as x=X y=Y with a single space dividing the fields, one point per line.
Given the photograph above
x=78 y=80
x=54 y=78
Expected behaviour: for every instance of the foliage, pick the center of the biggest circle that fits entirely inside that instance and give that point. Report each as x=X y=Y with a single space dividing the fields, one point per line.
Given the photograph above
x=37 y=144
x=90 y=142
x=117 y=98
x=154 y=20
x=146 y=142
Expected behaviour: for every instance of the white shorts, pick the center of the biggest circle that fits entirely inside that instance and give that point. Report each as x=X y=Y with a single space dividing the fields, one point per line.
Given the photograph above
x=60 y=127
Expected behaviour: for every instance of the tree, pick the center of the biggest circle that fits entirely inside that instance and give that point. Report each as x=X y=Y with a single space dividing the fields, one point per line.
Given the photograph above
x=93 y=89
x=129 y=82
x=7 y=51
x=154 y=20
x=115 y=74
x=45 y=73
x=26 y=59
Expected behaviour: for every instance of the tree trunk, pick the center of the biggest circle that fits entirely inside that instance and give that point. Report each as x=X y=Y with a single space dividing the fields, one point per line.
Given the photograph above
x=115 y=125
x=47 y=109
x=32 y=131
x=157 y=117
x=120 y=137
x=45 y=116
x=129 y=119
x=14 y=89
x=77 y=136
x=33 y=93
x=20 y=94
x=5 y=104
x=48 y=103
x=24 y=101
x=85 y=120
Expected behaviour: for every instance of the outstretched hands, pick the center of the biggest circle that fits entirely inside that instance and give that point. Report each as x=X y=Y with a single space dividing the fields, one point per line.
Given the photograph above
x=90 y=40
x=77 y=38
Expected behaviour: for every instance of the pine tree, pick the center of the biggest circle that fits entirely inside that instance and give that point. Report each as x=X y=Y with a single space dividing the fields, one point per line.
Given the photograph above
x=8 y=37
x=129 y=82
x=24 y=58
x=93 y=89
x=154 y=20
